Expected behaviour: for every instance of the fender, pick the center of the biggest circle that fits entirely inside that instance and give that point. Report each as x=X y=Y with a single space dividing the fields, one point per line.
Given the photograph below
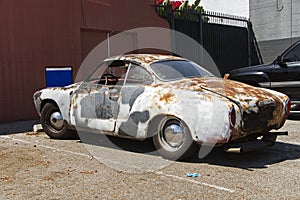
x=61 y=96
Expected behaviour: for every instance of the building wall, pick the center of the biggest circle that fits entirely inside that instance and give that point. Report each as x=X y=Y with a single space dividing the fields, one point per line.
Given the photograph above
x=276 y=24
x=230 y=7
x=35 y=34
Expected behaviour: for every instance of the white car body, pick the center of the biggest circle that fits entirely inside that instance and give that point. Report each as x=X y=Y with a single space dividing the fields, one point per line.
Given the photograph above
x=206 y=105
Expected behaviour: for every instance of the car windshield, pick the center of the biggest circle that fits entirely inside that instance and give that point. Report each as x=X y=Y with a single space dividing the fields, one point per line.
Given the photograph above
x=178 y=69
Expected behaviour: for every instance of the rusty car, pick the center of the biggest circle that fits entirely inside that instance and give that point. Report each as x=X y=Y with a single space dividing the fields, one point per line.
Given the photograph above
x=171 y=99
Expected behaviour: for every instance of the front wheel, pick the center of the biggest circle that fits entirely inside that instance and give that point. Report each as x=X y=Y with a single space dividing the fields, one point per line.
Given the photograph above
x=53 y=123
x=173 y=140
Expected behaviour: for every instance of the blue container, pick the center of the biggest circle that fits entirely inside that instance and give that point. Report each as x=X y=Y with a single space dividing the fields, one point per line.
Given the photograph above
x=58 y=76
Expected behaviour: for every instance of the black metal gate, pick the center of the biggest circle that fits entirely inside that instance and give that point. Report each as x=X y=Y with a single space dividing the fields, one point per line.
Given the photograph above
x=229 y=40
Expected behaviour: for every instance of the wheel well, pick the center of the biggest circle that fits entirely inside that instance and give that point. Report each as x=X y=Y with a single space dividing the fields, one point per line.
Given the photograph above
x=47 y=101
x=154 y=123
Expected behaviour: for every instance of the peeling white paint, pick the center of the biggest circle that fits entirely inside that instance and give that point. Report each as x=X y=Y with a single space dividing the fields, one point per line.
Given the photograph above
x=204 y=104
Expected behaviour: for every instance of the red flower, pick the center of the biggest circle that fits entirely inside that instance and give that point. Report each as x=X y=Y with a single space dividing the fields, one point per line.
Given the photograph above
x=159 y=2
x=176 y=4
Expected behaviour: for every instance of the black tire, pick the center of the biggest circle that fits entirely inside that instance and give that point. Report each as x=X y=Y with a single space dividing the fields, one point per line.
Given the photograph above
x=180 y=150
x=52 y=131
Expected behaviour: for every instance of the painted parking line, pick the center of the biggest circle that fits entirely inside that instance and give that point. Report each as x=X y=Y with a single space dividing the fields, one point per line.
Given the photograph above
x=159 y=173
x=45 y=146
x=195 y=182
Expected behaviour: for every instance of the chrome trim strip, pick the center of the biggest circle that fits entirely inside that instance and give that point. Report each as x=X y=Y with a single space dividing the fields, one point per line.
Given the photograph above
x=280 y=84
x=286 y=84
x=264 y=84
x=295 y=112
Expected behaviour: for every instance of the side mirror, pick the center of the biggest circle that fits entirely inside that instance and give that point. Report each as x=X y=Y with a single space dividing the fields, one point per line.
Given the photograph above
x=280 y=62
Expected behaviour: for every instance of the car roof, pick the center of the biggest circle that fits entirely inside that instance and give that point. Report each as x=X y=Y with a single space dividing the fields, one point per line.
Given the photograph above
x=143 y=59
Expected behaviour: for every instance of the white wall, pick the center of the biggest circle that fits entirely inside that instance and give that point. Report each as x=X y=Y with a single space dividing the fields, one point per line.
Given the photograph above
x=276 y=24
x=272 y=23
x=231 y=7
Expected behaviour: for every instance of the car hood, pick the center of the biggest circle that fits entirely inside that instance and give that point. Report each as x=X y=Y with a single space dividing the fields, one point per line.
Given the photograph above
x=247 y=97
x=68 y=88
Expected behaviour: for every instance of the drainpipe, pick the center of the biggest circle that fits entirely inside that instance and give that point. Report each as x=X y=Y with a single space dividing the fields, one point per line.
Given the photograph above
x=108 y=46
x=291 y=22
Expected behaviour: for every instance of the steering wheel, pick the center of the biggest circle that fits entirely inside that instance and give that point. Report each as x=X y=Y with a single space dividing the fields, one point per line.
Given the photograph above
x=109 y=76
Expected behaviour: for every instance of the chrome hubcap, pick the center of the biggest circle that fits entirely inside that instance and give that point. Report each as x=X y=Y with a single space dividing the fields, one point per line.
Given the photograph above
x=173 y=135
x=56 y=120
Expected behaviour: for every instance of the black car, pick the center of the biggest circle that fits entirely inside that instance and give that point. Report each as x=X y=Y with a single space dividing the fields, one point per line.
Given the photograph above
x=282 y=75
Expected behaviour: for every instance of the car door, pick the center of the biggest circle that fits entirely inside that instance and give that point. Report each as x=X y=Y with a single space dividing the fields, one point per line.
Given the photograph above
x=95 y=105
x=286 y=73
x=93 y=108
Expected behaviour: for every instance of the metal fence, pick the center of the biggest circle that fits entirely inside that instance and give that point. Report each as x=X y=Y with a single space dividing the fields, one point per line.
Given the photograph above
x=228 y=39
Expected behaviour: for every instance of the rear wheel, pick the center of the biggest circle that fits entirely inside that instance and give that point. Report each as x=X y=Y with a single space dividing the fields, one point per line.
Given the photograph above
x=53 y=123
x=173 y=140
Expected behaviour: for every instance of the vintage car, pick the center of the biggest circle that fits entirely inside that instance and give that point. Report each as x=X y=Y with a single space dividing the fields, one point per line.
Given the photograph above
x=173 y=100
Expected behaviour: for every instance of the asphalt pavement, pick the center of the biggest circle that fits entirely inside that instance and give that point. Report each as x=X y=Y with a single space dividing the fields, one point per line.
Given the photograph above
x=33 y=166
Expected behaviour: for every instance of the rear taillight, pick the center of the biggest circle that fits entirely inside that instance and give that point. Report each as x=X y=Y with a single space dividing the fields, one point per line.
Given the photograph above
x=232 y=116
x=287 y=110
x=288 y=105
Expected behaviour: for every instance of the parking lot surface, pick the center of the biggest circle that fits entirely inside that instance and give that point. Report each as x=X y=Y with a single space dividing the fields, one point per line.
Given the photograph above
x=36 y=167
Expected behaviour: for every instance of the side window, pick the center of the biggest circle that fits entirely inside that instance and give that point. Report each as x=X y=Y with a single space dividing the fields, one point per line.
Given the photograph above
x=138 y=75
x=109 y=74
x=293 y=55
